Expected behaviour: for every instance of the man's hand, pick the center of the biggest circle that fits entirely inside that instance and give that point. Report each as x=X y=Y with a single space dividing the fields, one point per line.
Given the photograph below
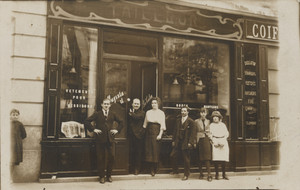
x=113 y=131
x=97 y=131
x=189 y=145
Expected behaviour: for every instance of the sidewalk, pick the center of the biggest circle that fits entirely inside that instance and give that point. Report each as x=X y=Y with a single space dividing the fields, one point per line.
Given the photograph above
x=237 y=180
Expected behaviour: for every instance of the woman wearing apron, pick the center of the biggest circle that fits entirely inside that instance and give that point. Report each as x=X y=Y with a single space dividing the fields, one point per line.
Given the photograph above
x=220 y=151
x=154 y=124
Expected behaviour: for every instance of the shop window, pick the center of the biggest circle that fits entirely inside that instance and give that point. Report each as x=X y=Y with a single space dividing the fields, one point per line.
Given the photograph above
x=195 y=73
x=129 y=44
x=251 y=91
x=78 y=80
x=273 y=92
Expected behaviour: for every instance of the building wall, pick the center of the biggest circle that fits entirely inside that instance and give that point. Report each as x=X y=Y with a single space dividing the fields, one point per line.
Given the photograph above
x=27 y=80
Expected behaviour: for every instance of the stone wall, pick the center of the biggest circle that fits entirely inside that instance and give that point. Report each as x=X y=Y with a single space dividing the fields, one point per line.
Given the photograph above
x=27 y=80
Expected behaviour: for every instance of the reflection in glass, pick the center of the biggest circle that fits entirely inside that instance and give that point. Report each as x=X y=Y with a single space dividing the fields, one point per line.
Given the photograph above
x=196 y=71
x=79 y=66
x=116 y=78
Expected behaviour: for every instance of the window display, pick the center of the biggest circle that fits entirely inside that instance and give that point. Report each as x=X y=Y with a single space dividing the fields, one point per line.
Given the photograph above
x=78 y=84
x=196 y=72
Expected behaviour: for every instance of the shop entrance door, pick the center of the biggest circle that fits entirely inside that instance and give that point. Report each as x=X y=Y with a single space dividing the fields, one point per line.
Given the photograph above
x=125 y=80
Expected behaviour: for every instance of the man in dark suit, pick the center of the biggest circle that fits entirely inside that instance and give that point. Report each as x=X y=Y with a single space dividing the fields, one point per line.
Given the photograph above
x=184 y=138
x=136 y=132
x=105 y=133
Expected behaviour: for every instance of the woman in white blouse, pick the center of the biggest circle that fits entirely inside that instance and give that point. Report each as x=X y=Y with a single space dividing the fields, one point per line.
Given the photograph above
x=154 y=124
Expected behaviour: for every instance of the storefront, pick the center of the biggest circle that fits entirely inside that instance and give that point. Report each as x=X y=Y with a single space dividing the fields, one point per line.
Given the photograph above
x=182 y=54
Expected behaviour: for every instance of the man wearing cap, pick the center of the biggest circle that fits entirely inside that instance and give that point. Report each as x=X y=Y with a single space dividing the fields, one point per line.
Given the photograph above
x=105 y=133
x=184 y=138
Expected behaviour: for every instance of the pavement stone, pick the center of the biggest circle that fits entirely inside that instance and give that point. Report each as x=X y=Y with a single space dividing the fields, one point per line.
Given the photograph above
x=237 y=180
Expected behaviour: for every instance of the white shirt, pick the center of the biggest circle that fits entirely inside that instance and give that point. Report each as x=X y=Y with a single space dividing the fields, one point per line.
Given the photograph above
x=183 y=119
x=105 y=112
x=155 y=116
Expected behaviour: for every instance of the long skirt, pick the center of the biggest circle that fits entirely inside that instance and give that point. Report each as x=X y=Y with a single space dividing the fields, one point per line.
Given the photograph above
x=151 y=143
x=205 y=149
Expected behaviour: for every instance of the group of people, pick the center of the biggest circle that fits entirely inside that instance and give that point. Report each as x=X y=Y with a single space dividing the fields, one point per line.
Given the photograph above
x=210 y=138
x=146 y=129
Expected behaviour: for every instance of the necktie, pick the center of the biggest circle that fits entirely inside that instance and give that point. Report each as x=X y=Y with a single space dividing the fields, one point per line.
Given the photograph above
x=105 y=114
x=204 y=127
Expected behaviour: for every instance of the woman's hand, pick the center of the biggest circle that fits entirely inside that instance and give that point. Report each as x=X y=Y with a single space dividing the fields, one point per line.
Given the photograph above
x=158 y=137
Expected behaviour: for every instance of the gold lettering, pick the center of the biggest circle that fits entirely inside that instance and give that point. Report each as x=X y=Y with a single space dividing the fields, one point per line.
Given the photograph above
x=182 y=21
x=156 y=19
x=254 y=28
x=126 y=12
x=262 y=31
x=269 y=32
x=275 y=32
x=169 y=19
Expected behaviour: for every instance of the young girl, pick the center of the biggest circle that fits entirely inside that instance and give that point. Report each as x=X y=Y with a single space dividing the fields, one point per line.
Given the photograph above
x=220 y=151
x=204 y=146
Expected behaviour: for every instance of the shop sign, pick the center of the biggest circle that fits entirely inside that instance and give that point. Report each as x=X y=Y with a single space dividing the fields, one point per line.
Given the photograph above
x=150 y=15
x=261 y=31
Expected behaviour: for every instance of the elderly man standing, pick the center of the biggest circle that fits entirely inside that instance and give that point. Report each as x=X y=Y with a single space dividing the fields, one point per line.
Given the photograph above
x=184 y=138
x=105 y=133
x=136 y=132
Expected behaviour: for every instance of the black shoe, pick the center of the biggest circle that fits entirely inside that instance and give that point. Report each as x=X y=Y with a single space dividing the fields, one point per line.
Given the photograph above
x=102 y=180
x=136 y=172
x=109 y=179
x=209 y=178
x=201 y=176
x=217 y=177
x=185 y=178
x=225 y=177
x=152 y=173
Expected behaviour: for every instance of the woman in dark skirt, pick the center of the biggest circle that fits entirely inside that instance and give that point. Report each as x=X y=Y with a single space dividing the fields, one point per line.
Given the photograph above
x=155 y=125
x=204 y=145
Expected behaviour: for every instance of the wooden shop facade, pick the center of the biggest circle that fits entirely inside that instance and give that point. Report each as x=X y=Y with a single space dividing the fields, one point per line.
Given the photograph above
x=184 y=54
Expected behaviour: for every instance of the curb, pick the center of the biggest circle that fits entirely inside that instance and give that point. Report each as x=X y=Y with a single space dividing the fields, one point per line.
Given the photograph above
x=148 y=177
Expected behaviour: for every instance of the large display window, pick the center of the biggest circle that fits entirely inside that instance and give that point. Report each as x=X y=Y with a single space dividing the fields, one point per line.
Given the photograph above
x=78 y=80
x=195 y=73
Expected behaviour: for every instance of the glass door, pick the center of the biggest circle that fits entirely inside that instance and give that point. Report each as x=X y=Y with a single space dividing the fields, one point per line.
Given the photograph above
x=116 y=74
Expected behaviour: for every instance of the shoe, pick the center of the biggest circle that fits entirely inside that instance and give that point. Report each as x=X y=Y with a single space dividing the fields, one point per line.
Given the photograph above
x=152 y=173
x=136 y=172
x=102 y=180
x=201 y=176
x=225 y=177
x=185 y=178
x=209 y=178
x=109 y=179
x=217 y=177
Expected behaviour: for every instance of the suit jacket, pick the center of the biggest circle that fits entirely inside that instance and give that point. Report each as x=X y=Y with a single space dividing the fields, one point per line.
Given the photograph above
x=136 y=121
x=188 y=131
x=105 y=125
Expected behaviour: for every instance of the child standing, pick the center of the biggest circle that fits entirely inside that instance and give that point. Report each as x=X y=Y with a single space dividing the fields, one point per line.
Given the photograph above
x=18 y=133
x=220 y=149
x=204 y=146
